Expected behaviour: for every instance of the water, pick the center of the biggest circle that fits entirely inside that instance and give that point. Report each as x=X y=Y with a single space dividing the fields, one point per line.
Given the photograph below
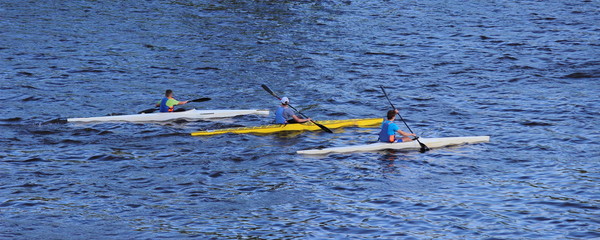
x=524 y=72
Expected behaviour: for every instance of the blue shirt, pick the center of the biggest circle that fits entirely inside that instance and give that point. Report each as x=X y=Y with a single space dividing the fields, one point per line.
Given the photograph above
x=388 y=129
x=282 y=114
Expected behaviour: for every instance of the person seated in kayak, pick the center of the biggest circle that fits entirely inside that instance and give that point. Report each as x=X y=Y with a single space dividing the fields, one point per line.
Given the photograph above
x=284 y=114
x=389 y=130
x=167 y=104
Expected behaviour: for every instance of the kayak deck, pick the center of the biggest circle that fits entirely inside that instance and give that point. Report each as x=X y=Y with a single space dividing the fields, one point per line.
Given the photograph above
x=192 y=114
x=413 y=145
x=308 y=126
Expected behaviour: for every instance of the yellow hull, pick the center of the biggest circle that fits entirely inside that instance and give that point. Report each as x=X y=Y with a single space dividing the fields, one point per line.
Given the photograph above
x=366 y=122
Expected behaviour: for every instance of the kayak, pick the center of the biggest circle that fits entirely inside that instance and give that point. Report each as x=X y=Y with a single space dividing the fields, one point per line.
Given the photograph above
x=192 y=114
x=308 y=126
x=414 y=145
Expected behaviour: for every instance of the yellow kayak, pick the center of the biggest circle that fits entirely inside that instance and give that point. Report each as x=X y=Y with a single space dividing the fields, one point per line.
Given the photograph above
x=308 y=126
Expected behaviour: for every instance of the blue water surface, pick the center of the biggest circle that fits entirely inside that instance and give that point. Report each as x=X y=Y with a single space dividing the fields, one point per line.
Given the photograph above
x=525 y=73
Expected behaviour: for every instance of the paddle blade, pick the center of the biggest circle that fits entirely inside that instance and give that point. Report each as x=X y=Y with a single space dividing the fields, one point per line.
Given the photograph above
x=424 y=148
x=150 y=110
x=322 y=127
x=200 y=100
x=269 y=90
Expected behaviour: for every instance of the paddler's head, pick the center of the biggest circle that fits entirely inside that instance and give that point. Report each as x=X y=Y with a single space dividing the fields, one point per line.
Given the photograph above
x=391 y=114
x=169 y=93
x=285 y=101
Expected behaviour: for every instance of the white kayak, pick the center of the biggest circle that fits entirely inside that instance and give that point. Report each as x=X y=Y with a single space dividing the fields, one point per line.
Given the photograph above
x=192 y=114
x=414 y=145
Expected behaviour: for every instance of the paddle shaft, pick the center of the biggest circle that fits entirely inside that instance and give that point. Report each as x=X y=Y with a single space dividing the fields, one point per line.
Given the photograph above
x=401 y=118
x=423 y=146
x=304 y=116
x=275 y=95
x=151 y=110
x=266 y=88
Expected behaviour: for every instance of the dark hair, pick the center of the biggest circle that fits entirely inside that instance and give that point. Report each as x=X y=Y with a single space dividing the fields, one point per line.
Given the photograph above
x=168 y=92
x=391 y=114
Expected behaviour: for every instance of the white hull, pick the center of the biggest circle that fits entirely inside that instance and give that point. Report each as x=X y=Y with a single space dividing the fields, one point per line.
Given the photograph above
x=192 y=114
x=430 y=142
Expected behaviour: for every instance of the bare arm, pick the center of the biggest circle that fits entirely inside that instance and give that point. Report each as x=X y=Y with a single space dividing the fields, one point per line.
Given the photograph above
x=300 y=120
x=405 y=134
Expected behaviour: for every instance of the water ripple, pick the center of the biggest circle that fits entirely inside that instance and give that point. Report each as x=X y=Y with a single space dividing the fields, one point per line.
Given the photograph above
x=523 y=72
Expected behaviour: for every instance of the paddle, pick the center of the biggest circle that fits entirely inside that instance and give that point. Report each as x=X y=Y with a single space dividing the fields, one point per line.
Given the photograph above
x=424 y=147
x=204 y=99
x=275 y=95
x=151 y=110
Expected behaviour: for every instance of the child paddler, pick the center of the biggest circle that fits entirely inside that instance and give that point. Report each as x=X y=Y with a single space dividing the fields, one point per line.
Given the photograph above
x=389 y=130
x=284 y=114
x=167 y=104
